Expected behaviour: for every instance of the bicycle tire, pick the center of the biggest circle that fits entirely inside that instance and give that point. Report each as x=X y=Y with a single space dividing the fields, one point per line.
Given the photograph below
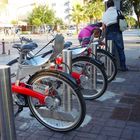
x=102 y=53
x=54 y=123
x=88 y=91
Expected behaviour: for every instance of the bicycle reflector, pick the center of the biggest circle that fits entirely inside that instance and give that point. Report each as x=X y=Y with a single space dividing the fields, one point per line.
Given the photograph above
x=59 y=60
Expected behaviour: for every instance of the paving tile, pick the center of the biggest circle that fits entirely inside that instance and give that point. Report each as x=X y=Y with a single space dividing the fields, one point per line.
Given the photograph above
x=120 y=113
x=96 y=129
x=127 y=133
x=136 y=135
x=87 y=135
x=83 y=138
x=135 y=116
x=102 y=137
x=115 y=123
x=111 y=131
x=34 y=137
x=127 y=100
x=113 y=138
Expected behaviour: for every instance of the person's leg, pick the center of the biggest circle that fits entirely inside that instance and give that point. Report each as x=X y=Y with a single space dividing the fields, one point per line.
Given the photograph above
x=118 y=42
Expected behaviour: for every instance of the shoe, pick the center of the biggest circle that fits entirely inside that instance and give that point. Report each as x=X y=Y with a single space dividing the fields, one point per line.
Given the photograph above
x=123 y=69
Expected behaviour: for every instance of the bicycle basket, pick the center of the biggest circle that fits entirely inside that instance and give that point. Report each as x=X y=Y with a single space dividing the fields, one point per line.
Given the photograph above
x=58 y=45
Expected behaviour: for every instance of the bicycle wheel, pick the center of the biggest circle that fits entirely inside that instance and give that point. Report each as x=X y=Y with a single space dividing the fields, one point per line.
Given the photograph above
x=109 y=63
x=64 y=107
x=93 y=80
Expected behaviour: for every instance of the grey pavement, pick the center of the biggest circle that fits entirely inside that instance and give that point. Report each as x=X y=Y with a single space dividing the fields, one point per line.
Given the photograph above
x=114 y=116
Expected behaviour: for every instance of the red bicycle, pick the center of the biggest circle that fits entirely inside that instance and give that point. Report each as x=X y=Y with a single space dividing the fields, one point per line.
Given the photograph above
x=52 y=96
x=88 y=73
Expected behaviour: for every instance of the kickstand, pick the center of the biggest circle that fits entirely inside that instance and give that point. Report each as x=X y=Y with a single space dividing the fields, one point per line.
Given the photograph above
x=20 y=108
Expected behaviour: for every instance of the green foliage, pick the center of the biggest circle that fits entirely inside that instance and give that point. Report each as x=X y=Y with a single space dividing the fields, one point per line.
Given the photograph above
x=4 y=1
x=14 y=22
x=94 y=10
x=128 y=5
x=77 y=15
x=36 y=21
x=58 y=21
x=91 y=11
x=131 y=21
x=41 y=15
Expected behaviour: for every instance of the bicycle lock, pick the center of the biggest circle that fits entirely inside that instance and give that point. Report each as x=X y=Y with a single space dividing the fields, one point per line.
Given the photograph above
x=8 y=131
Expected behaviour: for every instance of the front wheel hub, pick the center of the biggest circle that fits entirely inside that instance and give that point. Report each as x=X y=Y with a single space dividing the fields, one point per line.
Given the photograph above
x=52 y=102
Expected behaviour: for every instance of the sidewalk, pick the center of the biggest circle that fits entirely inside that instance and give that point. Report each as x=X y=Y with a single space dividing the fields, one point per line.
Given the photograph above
x=114 y=116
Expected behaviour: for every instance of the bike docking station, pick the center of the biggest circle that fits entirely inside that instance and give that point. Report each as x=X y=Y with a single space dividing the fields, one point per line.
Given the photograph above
x=67 y=60
x=107 y=63
x=93 y=69
x=8 y=131
x=112 y=49
x=109 y=49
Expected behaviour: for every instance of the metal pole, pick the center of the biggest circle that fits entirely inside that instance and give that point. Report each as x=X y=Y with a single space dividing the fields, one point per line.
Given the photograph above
x=93 y=69
x=3 y=46
x=110 y=49
x=6 y=105
x=67 y=57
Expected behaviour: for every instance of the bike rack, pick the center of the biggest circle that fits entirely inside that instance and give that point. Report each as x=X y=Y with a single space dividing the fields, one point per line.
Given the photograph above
x=110 y=49
x=6 y=105
x=67 y=59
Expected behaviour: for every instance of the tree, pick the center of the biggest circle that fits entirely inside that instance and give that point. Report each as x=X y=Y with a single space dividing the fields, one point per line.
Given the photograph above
x=57 y=23
x=41 y=15
x=131 y=21
x=77 y=15
x=94 y=10
x=127 y=7
x=136 y=4
x=14 y=22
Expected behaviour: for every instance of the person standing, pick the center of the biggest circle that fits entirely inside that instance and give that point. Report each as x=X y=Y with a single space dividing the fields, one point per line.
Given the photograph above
x=112 y=32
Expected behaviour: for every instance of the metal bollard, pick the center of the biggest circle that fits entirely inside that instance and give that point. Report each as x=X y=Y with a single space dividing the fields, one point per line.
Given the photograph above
x=6 y=105
x=110 y=49
x=3 y=47
x=8 y=52
x=93 y=69
x=113 y=50
x=67 y=58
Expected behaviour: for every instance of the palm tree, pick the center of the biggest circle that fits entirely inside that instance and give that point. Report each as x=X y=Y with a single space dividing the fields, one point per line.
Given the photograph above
x=94 y=10
x=77 y=15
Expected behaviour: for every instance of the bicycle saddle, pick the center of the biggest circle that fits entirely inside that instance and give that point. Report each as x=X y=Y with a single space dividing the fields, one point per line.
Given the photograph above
x=29 y=46
x=67 y=44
